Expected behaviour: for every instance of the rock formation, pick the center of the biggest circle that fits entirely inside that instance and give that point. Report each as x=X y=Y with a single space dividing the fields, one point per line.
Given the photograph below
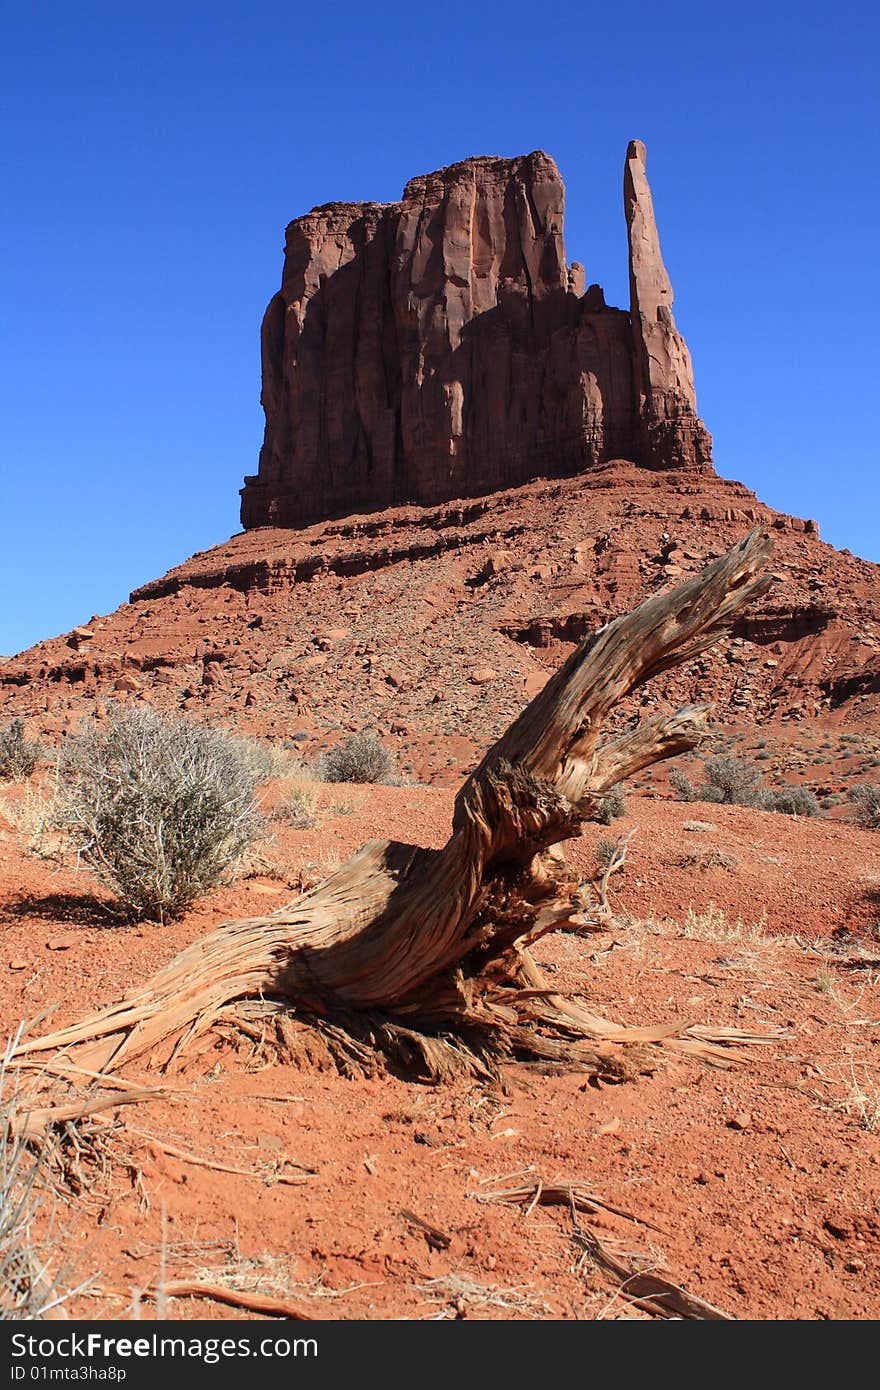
x=441 y=347
x=671 y=435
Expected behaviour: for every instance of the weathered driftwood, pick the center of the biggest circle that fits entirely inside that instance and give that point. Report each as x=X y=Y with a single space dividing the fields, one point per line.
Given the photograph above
x=422 y=955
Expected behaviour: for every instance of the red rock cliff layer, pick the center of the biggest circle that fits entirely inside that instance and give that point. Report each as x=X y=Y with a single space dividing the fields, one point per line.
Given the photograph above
x=441 y=347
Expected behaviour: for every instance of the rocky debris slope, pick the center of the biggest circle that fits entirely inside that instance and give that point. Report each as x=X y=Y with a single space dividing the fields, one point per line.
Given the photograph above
x=434 y=626
x=442 y=347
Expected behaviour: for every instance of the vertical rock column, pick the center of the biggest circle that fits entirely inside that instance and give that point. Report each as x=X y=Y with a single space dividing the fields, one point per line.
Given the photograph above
x=672 y=435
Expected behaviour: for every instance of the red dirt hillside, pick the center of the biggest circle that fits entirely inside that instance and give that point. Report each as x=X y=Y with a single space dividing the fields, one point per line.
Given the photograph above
x=435 y=626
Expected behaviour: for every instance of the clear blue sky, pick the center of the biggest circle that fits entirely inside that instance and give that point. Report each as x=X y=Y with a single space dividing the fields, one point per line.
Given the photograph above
x=153 y=153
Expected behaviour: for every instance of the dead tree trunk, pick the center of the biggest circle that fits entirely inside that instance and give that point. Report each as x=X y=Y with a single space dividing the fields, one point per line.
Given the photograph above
x=422 y=955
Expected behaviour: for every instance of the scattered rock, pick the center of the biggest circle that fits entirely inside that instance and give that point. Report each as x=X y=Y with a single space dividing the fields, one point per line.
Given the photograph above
x=498 y=562
x=483 y=675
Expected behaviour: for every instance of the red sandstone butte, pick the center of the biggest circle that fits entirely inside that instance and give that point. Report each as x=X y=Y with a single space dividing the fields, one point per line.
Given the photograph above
x=442 y=347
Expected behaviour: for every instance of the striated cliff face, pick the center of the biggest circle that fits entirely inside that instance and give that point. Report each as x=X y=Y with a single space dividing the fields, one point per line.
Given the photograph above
x=441 y=347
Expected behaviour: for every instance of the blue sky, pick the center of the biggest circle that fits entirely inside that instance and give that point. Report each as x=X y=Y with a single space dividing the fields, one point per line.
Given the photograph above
x=151 y=156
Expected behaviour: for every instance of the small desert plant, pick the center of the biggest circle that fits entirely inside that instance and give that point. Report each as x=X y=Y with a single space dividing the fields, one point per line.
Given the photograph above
x=866 y=800
x=299 y=801
x=611 y=858
x=712 y=925
x=612 y=805
x=265 y=760
x=825 y=980
x=862 y=1099
x=682 y=785
x=709 y=859
x=360 y=758
x=734 y=780
x=160 y=809
x=18 y=755
x=34 y=817
x=791 y=801
x=605 y=851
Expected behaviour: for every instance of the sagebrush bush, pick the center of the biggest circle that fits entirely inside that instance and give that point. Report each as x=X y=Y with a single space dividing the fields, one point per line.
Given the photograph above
x=360 y=758
x=612 y=805
x=738 y=783
x=161 y=809
x=791 y=801
x=605 y=851
x=18 y=755
x=866 y=802
x=682 y=785
x=732 y=781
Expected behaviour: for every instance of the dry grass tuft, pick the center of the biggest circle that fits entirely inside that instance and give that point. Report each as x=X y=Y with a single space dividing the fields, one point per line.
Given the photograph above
x=33 y=816
x=462 y=1295
x=300 y=791
x=34 y=1260
x=709 y=859
x=861 y=1100
x=712 y=925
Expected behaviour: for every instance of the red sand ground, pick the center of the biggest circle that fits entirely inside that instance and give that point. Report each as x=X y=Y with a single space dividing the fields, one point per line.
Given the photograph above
x=779 y=1218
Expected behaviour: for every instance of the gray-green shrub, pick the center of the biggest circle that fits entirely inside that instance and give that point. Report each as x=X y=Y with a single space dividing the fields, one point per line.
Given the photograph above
x=791 y=801
x=18 y=755
x=682 y=785
x=736 y=781
x=161 y=809
x=605 y=851
x=360 y=758
x=265 y=760
x=732 y=781
x=866 y=802
x=612 y=806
